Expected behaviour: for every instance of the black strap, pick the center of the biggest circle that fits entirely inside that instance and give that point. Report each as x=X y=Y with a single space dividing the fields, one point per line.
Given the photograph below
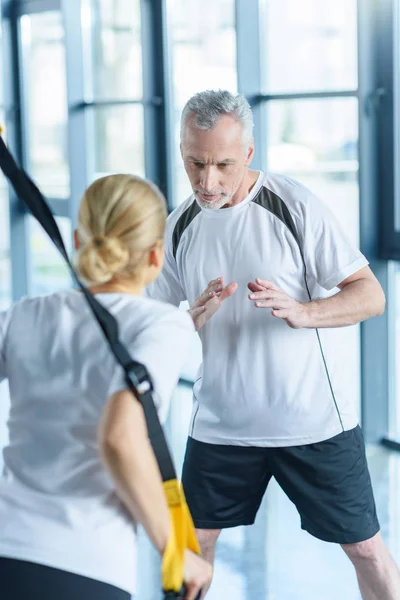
x=136 y=375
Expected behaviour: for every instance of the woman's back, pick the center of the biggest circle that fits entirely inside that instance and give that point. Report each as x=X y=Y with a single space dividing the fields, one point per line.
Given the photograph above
x=55 y=493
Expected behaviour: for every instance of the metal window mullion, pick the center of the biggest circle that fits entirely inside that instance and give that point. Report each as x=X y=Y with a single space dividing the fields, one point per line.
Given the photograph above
x=374 y=184
x=168 y=108
x=307 y=95
x=155 y=142
x=108 y=103
x=18 y=222
x=386 y=127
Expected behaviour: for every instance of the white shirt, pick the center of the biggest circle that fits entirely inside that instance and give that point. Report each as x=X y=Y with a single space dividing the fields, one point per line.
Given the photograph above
x=262 y=383
x=58 y=505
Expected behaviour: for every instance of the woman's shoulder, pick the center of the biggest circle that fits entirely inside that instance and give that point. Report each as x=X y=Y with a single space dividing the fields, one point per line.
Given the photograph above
x=32 y=303
x=154 y=312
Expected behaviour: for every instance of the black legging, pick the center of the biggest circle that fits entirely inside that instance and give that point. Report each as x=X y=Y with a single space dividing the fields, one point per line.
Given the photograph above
x=20 y=580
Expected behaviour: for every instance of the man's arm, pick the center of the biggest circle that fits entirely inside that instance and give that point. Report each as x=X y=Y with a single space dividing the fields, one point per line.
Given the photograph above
x=360 y=298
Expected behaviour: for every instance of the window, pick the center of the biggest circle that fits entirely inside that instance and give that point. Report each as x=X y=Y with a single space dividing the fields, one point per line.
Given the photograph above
x=316 y=141
x=309 y=45
x=310 y=49
x=48 y=269
x=115 y=50
x=45 y=99
x=114 y=85
x=118 y=138
x=203 y=51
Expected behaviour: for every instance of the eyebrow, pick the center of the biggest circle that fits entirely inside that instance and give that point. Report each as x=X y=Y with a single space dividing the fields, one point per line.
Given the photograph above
x=228 y=161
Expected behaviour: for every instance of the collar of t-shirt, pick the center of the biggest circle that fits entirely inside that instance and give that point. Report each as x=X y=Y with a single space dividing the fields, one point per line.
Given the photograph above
x=223 y=212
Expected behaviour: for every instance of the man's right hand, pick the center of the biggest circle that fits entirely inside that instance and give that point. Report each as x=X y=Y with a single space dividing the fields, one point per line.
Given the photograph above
x=197 y=575
x=207 y=304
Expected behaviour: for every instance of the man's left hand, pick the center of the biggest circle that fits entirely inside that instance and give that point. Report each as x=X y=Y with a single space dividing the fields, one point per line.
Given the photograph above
x=266 y=294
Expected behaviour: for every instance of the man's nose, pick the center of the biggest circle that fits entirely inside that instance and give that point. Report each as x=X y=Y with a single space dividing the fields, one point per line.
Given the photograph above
x=208 y=178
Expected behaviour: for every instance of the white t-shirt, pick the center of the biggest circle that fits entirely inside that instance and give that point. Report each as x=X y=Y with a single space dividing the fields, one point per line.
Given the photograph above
x=262 y=383
x=58 y=505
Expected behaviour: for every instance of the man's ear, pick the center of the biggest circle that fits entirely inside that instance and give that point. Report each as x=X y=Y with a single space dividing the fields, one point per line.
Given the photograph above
x=76 y=240
x=250 y=153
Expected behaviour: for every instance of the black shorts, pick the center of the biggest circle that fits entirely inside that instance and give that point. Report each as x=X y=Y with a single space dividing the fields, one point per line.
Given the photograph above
x=21 y=580
x=328 y=482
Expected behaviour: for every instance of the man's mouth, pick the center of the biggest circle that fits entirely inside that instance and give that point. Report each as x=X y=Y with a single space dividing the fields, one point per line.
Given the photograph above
x=210 y=197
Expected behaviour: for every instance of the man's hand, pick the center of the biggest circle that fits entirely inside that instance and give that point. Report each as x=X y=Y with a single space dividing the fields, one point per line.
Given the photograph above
x=268 y=295
x=207 y=304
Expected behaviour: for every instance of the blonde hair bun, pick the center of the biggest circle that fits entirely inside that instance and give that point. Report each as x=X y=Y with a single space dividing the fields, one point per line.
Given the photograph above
x=101 y=258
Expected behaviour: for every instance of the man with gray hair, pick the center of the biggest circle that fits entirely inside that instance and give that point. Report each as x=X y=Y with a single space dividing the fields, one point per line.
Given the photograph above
x=270 y=400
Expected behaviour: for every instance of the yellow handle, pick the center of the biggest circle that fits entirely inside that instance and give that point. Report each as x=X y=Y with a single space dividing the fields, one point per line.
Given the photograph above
x=183 y=537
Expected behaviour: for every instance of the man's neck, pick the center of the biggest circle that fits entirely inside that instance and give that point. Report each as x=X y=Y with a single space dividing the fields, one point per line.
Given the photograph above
x=249 y=181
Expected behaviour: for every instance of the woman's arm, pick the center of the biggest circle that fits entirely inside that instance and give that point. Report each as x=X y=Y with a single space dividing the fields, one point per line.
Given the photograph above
x=127 y=453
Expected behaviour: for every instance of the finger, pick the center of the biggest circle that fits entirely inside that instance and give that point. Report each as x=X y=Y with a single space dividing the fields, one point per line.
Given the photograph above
x=195 y=312
x=228 y=291
x=268 y=295
x=216 y=281
x=276 y=304
x=192 y=591
x=267 y=284
x=254 y=287
x=280 y=314
x=208 y=293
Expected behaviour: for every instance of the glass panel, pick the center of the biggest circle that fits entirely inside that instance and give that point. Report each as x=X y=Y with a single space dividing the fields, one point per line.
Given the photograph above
x=113 y=43
x=203 y=45
x=49 y=272
x=316 y=142
x=309 y=45
x=118 y=140
x=45 y=97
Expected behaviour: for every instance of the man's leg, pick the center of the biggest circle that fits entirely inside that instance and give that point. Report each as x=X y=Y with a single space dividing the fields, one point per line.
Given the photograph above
x=377 y=573
x=207 y=540
x=330 y=485
x=224 y=486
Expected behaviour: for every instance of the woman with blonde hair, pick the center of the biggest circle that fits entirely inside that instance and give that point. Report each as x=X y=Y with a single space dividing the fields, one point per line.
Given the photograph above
x=79 y=470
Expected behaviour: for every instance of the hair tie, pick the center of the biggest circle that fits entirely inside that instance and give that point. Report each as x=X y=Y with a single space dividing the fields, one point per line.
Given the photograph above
x=98 y=241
